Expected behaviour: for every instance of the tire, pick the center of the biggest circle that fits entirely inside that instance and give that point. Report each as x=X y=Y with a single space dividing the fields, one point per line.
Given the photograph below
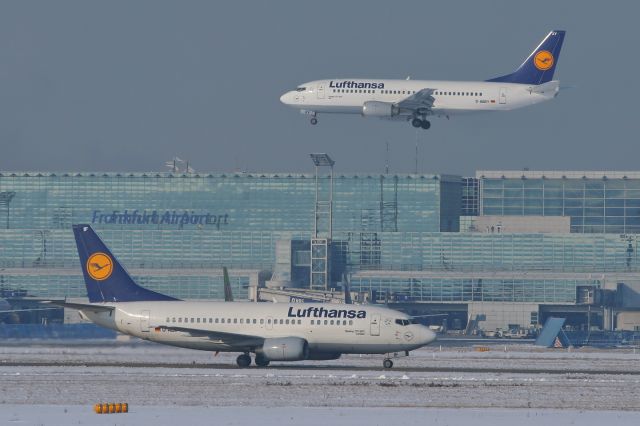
x=426 y=124
x=387 y=363
x=314 y=121
x=416 y=122
x=261 y=361
x=243 y=361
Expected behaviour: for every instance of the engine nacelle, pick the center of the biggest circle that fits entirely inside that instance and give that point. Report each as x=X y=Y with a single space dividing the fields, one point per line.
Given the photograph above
x=285 y=349
x=379 y=109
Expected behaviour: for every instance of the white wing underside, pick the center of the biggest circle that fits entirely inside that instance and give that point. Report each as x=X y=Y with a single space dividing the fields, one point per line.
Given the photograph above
x=419 y=103
x=220 y=337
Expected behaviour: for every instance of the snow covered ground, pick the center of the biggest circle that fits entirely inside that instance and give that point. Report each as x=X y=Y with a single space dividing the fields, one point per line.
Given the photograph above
x=290 y=416
x=454 y=385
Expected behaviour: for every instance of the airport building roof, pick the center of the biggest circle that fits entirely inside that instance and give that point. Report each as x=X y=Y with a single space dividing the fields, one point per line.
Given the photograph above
x=556 y=174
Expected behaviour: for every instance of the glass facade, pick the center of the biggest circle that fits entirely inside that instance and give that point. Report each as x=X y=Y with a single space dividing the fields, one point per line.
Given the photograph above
x=607 y=202
x=457 y=290
x=234 y=202
x=187 y=263
x=175 y=232
x=470 y=196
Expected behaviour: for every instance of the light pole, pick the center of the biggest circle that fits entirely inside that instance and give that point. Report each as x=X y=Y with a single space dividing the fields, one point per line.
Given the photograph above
x=322 y=227
x=5 y=199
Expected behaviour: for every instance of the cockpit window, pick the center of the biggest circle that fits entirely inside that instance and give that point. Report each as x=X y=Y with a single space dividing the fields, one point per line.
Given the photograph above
x=402 y=322
x=301 y=89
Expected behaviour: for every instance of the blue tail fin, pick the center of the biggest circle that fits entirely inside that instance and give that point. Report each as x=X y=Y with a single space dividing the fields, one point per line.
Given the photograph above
x=538 y=68
x=105 y=278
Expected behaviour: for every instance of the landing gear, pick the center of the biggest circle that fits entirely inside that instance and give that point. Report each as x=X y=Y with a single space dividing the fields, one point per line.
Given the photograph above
x=313 y=121
x=416 y=122
x=387 y=363
x=243 y=360
x=261 y=361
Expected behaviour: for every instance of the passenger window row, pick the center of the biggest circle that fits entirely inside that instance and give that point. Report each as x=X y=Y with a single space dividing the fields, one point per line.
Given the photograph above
x=192 y=320
x=262 y=321
x=457 y=93
x=406 y=92
x=331 y=322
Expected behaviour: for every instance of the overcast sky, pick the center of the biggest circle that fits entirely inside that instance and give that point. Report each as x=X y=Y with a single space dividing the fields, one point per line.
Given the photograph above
x=127 y=85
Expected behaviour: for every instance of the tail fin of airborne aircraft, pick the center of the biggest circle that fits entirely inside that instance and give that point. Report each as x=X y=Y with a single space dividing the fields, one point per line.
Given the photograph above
x=538 y=68
x=105 y=278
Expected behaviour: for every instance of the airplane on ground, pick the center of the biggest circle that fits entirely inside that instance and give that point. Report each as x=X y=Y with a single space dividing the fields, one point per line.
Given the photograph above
x=272 y=331
x=415 y=100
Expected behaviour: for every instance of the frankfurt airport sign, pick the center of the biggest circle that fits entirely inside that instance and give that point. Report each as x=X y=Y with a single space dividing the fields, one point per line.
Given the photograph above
x=155 y=217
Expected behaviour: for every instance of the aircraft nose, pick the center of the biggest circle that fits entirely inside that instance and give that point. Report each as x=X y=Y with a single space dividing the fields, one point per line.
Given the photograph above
x=285 y=98
x=428 y=336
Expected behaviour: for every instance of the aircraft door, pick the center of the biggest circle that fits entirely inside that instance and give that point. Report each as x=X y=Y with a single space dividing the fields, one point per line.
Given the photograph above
x=375 y=325
x=503 y=95
x=144 y=321
x=320 y=91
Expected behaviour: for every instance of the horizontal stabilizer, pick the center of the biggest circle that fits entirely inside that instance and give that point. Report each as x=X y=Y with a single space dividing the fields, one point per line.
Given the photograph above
x=549 y=88
x=81 y=306
x=11 y=311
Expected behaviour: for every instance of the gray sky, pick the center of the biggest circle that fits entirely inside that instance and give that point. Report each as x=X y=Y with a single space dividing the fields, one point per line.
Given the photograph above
x=126 y=85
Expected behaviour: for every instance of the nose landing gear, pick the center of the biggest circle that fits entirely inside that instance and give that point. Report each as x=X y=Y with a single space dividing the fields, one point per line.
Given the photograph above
x=313 y=121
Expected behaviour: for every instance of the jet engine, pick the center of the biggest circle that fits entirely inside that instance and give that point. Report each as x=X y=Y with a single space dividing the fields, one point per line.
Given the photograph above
x=379 y=109
x=285 y=349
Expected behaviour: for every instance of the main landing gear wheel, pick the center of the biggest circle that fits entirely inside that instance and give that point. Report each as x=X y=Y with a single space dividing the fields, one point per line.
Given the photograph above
x=387 y=363
x=314 y=121
x=261 y=361
x=416 y=122
x=243 y=361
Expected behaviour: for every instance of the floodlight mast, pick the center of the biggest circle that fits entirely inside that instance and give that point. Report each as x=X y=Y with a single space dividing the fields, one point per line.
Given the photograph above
x=322 y=227
x=324 y=206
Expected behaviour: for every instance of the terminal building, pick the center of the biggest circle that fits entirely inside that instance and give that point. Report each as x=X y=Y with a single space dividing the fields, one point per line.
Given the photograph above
x=502 y=249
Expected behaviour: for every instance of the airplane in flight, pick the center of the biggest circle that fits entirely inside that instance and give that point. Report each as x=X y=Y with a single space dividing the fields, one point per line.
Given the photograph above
x=271 y=331
x=417 y=100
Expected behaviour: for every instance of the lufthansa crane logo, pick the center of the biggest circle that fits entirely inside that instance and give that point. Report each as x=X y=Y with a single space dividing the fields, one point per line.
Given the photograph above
x=543 y=60
x=99 y=266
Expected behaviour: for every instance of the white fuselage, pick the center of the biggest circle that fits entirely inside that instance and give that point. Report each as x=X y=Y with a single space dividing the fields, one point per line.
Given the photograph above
x=371 y=330
x=451 y=97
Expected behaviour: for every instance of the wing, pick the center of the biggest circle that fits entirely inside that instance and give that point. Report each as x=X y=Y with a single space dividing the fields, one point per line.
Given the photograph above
x=229 y=339
x=421 y=100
